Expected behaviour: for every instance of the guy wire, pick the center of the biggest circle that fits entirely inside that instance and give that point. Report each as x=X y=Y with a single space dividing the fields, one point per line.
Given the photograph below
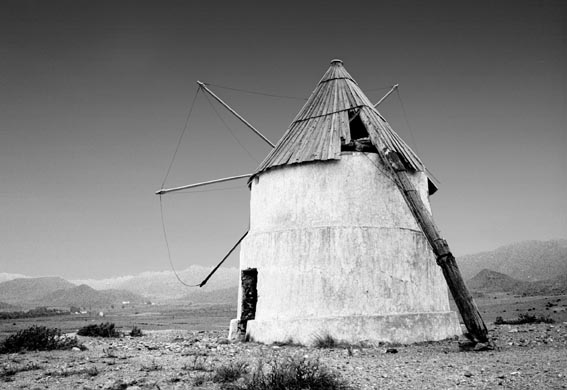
x=230 y=130
x=180 y=138
x=167 y=246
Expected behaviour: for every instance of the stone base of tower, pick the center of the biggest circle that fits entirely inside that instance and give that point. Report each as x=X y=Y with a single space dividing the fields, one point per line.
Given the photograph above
x=397 y=328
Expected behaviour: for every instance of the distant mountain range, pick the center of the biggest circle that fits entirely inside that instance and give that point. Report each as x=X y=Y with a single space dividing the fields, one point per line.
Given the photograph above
x=5 y=276
x=20 y=290
x=7 y=307
x=165 y=285
x=491 y=281
x=527 y=260
x=85 y=296
x=57 y=292
x=160 y=286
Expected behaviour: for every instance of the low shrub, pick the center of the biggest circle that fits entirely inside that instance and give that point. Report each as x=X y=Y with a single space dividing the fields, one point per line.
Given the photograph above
x=524 y=319
x=106 y=329
x=37 y=338
x=199 y=363
x=136 y=332
x=290 y=373
x=328 y=341
x=230 y=372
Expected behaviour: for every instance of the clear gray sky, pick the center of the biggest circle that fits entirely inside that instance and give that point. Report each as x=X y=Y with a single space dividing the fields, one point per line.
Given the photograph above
x=94 y=95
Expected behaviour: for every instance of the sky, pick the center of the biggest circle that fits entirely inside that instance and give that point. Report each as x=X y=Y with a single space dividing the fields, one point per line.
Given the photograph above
x=94 y=96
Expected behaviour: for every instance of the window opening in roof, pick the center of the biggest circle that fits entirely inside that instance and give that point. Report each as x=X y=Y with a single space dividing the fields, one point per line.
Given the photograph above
x=357 y=128
x=359 y=138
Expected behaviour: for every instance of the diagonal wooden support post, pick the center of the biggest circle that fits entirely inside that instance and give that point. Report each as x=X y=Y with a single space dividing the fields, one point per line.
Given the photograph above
x=445 y=259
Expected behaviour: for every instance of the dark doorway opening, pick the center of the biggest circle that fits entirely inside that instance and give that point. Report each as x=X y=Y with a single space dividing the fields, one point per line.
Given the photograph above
x=249 y=282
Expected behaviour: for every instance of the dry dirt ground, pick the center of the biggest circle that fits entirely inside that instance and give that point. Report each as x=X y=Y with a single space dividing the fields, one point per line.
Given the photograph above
x=526 y=357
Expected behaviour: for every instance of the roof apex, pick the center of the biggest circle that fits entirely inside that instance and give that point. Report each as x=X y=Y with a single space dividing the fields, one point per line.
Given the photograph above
x=336 y=71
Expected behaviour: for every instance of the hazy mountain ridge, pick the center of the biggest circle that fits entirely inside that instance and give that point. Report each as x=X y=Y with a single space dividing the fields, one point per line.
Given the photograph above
x=55 y=291
x=85 y=296
x=492 y=281
x=8 y=307
x=164 y=285
x=58 y=292
x=4 y=276
x=525 y=261
x=21 y=290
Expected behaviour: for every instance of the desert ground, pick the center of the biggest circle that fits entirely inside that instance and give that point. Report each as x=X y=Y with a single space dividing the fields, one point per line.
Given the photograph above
x=183 y=348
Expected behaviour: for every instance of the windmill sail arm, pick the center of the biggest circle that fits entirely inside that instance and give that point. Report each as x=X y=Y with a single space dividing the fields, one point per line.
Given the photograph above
x=379 y=101
x=204 y=183
x=386 y=95
x=222 y=261
x=204 y=87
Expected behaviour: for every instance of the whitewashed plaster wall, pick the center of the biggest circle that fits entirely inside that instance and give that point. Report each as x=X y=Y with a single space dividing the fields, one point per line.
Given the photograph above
x=335 y=243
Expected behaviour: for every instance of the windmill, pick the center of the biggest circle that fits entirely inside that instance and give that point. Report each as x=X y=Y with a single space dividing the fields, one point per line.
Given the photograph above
x=341 y=239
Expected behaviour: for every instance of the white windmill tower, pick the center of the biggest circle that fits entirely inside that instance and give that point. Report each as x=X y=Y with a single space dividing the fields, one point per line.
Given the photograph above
x=341 y=238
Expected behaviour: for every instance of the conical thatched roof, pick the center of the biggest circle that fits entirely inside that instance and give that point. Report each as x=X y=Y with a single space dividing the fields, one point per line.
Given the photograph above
x=322 y=125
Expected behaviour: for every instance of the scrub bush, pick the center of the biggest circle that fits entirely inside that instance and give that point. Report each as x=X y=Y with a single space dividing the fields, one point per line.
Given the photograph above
x=37 y=338
x=101 y=330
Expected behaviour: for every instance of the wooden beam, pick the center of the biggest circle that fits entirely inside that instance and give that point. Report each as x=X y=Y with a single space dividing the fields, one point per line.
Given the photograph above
x=204 y=87
x=222 y=261
x=377 y=104
x=445 y=259
x=386 y=95
x=204 y=183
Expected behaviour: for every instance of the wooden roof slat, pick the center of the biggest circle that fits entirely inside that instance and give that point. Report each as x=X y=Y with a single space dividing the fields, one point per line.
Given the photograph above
x=333 y=142
x=308 y=110
x=309 y=128
x=345 y=127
